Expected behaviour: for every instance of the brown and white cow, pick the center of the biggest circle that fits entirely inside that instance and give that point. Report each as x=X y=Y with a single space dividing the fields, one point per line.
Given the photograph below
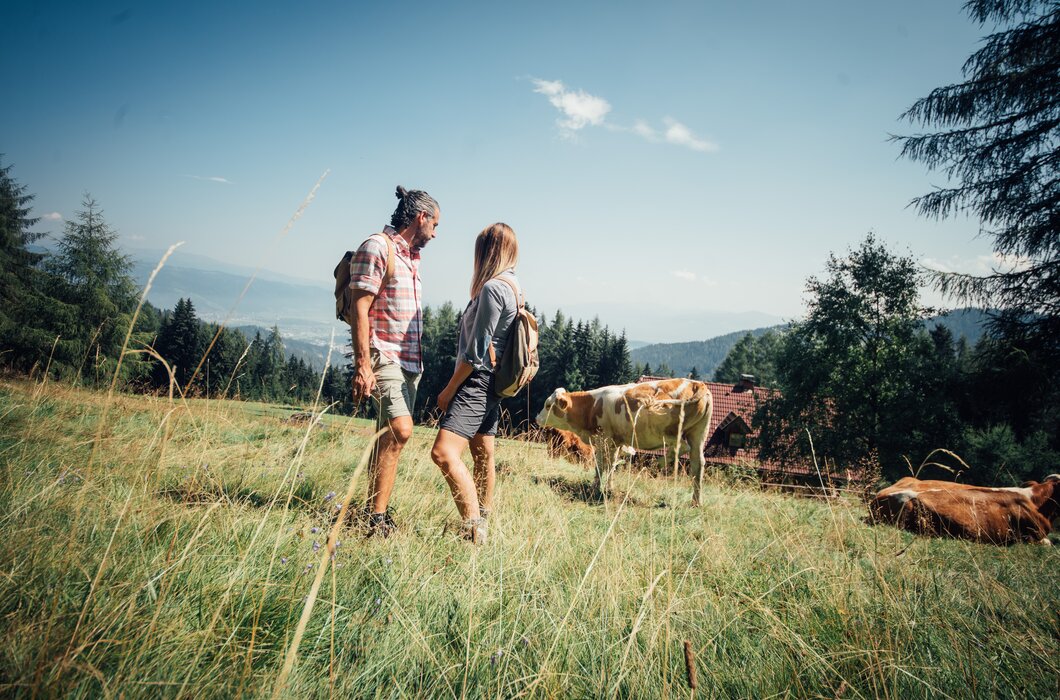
x=644 y=416
x=1002 y=515
x=565 y=444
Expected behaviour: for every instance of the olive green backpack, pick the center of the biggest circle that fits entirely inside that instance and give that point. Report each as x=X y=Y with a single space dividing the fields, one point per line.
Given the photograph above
x=343 y=291
x=519 y=362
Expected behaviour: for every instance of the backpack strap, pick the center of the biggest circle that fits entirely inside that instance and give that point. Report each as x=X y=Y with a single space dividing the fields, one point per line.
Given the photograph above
x=518 y=305
x=519 y=301
x=389 y=274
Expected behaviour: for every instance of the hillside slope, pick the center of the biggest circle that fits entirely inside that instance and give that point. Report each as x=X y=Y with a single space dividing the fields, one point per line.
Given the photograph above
x=158 y=547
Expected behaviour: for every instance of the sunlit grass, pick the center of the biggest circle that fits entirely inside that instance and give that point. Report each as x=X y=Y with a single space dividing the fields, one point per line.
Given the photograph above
x=174 y=558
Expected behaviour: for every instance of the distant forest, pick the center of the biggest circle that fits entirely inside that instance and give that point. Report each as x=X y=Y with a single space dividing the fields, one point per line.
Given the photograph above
x=704 y=357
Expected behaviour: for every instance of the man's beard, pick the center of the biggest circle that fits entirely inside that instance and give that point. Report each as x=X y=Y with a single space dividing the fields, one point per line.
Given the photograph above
x=420 y=239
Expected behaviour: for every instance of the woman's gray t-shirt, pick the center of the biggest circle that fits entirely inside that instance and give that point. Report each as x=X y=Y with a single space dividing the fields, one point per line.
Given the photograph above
x=486 y=320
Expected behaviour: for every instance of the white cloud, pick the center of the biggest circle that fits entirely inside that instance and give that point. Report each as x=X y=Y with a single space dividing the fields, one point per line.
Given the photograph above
x=222 y=180
x=979 y=265
x=54 y=216
x=579 y=108
x=936 y=265
x=680 y=135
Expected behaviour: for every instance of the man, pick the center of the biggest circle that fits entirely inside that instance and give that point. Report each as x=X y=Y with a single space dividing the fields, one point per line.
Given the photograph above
x=387 y=324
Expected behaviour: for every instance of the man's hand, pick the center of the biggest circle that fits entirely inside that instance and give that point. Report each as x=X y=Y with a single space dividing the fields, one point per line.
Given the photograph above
x=363 y=382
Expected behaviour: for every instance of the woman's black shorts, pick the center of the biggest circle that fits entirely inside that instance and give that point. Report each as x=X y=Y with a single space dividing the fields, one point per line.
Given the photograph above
x=475 y=408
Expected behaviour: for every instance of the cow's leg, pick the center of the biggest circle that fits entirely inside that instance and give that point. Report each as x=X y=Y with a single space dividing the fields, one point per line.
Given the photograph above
x=695 y=461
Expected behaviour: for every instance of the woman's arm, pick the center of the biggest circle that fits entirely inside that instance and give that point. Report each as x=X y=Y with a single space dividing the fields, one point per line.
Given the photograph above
x=492 y=303
x=463 y=371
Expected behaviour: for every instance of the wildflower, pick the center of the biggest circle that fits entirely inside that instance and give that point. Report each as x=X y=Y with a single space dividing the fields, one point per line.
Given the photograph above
x=495 y=657
x=331 y=494
x=389 y=560
x=309 y=566
x=378 y=602
x=525 y=642
x=337 y=544
x=316 y=546
x=338 y=506
x=314 y=530
x=283 y=560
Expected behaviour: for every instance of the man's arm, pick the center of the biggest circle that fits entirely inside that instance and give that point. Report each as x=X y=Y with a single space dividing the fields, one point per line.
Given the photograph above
x=363 y=377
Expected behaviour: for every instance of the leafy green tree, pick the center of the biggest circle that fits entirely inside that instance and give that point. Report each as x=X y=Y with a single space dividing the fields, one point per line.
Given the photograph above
x=997 y=136
x=847 y=372
x=95 y=293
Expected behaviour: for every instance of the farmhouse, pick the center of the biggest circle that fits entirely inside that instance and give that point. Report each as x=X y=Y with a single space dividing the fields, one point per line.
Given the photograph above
x=732 y=438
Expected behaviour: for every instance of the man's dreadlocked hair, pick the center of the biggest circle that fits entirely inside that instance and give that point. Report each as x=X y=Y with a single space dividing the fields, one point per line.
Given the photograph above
x=410 y=204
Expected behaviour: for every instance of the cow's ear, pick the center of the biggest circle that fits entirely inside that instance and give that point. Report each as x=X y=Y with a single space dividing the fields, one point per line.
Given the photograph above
x=563 y=402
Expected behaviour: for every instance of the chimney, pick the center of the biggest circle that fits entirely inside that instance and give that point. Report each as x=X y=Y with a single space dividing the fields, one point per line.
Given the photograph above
x=747 y=383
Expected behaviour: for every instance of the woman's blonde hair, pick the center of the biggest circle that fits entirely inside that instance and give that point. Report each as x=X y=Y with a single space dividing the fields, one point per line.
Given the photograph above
x=495 y=251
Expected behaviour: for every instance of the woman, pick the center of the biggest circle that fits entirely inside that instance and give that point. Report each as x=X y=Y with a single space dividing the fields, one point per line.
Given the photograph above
x=471 y=406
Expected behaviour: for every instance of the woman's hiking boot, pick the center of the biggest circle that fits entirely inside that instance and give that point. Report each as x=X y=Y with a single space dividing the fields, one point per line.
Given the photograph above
x=474 y=530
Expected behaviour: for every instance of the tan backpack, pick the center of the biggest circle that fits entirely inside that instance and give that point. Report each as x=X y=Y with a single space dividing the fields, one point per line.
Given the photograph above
x=519 y=362
x=343 y=292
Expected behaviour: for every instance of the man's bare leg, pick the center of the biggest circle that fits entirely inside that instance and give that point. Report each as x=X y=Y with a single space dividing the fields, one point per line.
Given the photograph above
x=383 y=468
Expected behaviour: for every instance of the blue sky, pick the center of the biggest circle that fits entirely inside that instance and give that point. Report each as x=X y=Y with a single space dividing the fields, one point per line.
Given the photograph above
x=701 y=156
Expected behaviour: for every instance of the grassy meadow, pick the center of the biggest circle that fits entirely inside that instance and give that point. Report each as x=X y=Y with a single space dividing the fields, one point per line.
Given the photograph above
x=161 y=548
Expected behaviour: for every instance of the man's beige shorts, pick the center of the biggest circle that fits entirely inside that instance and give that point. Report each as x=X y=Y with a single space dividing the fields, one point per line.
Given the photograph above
x=395 y=389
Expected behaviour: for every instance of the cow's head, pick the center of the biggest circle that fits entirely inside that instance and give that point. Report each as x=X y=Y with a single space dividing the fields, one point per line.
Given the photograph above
x=554 y=412
x=1048 y=497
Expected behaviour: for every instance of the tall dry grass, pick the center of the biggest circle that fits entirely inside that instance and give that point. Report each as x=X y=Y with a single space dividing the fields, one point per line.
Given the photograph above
x=180 y=565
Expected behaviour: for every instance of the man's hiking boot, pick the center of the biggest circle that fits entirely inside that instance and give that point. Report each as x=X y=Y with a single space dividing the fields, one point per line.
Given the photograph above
x=380 y=525
x=474 y=530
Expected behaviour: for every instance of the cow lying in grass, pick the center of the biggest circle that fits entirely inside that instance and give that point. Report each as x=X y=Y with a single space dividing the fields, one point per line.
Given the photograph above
x=645 y=416
x=979 y=513
x=565 y=444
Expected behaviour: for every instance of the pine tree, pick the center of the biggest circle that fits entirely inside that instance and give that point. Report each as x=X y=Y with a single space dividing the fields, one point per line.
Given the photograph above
x=26 y=310
x=998 y=139
x=181 y=342
x=95 y=295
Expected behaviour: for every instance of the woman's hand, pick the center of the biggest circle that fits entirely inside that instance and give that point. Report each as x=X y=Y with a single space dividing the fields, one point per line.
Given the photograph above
x=445 y=397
